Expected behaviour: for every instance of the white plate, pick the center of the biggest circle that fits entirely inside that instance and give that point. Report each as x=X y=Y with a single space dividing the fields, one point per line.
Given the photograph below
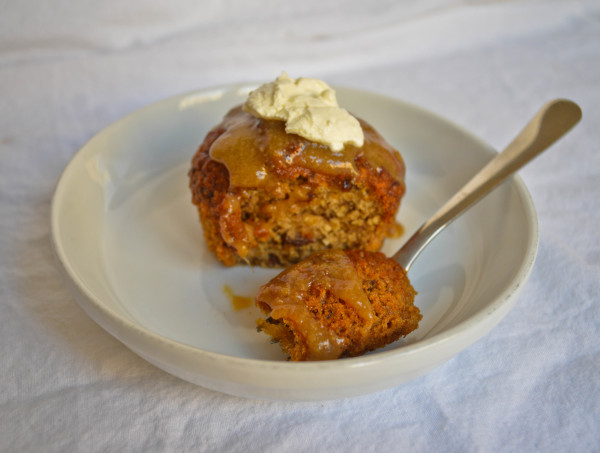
x=131 y=246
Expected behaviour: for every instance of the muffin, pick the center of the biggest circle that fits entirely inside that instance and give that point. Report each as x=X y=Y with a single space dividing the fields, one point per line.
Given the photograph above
x=268 y=196
x=338 y=304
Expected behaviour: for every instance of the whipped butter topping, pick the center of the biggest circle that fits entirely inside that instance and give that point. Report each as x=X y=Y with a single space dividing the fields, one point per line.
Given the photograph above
x=309 y=109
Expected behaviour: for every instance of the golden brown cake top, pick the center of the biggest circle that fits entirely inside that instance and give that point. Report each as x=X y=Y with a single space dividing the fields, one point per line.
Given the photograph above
x=252 y=147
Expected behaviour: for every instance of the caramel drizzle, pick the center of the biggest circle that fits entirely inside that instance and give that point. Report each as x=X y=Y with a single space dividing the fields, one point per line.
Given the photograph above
x=285 y=295
x=248 y=143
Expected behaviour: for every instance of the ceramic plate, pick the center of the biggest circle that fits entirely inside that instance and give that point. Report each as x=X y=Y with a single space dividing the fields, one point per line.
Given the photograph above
x=131 y=247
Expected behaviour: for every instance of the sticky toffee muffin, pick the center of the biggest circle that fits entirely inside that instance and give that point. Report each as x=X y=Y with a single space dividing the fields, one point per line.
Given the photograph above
x=271 y=198
x=338 y=304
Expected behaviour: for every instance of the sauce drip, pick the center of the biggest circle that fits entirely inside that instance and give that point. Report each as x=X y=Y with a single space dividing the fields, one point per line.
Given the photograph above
x=238 y=302
x=396 y=230
x=248 y=144
x=285 y=295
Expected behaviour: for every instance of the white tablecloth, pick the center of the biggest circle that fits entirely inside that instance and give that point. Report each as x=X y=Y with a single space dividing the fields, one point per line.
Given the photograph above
x=68 y=69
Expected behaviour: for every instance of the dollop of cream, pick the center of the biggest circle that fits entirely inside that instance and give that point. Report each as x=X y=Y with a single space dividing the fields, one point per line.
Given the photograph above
x=309 y=108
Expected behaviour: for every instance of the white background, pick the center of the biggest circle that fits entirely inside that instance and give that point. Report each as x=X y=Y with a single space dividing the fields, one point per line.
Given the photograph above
x=68 y=69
